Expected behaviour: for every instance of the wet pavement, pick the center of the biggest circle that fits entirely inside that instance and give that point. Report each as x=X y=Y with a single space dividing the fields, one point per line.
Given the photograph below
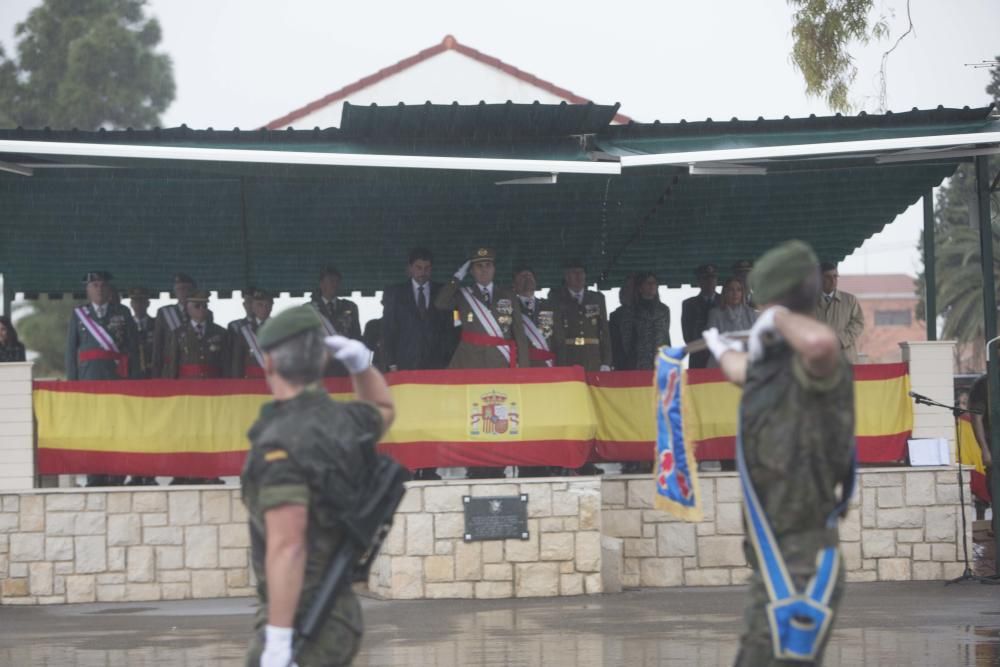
x=880 y=624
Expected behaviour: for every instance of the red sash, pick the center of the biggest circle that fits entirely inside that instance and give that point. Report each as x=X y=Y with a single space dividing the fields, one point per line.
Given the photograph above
x=474 y=338
x=199 y=371
x=253 y=372
x=541 y=355
x=120 y=359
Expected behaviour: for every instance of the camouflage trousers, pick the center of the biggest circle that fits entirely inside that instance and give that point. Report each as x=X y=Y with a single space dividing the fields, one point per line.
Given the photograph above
x=335 y=645
x=756 y=649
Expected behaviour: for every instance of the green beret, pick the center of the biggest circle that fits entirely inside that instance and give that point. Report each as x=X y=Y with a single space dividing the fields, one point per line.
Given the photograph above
x=289 y=323
x=782 y=269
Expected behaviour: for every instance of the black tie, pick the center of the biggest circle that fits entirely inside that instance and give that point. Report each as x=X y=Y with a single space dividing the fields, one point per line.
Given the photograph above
x=421 y=300
x=201 y=330
x=486 y=297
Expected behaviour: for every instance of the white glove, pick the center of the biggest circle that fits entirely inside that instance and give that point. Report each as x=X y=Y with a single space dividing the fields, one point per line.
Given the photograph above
x=462 y=271
x=277 y=647
x=718 y=344
x=763 y=329
x=605 y=367
x=352 y=353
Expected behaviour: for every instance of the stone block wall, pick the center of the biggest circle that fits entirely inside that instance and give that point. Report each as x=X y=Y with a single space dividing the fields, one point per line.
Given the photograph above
x=425 y=555
x=136 y=545
x=904 y=524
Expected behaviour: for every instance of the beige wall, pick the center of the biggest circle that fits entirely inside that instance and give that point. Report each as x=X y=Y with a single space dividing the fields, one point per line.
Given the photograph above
x=17 y=431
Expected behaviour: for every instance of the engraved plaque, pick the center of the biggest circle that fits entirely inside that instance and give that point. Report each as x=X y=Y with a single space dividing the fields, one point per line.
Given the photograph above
x=496 y=518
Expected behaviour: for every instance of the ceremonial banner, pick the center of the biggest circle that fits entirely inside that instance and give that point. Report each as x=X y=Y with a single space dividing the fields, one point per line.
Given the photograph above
x=676 y=471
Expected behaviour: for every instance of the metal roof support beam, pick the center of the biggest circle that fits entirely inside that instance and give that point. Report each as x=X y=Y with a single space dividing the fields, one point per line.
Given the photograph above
x=990 y=329
x=19 y=169
x=883 y=146
x=922 y=155
x=930 y=280
x=190 y=153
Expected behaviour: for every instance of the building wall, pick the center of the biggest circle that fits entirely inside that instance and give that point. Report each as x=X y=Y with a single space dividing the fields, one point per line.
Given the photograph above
x=587 y=535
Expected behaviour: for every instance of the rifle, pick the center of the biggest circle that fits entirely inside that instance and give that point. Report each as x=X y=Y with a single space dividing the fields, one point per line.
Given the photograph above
x=364 y=527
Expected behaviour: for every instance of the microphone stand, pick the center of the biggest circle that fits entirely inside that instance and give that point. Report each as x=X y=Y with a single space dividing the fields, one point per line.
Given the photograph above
x=957 y=412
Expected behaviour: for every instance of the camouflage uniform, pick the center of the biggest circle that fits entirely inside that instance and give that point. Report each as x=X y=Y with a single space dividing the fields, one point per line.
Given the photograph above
x=296 y=447
x=798 y=440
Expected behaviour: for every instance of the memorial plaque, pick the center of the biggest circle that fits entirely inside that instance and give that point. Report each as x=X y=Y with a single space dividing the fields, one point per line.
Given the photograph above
x=496 y=518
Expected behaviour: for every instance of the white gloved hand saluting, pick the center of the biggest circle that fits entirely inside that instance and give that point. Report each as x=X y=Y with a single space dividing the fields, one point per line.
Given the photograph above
x=352 y=353
x=277 y=646
x=462 y=271
x=718 y=344
x=763 y=331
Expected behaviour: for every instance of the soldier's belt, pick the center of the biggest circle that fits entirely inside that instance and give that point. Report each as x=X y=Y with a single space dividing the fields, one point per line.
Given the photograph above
x=583 y=341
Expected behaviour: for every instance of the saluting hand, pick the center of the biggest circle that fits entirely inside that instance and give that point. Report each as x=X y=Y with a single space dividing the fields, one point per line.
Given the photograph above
x=764 y=328
x=462 y=271
x=352 y=353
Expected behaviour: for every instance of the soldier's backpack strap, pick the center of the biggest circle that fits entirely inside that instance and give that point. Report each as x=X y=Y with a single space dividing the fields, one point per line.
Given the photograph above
x=799 y=620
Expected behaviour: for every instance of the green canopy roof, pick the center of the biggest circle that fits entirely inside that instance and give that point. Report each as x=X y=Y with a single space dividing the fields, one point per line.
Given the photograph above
x=233 y=223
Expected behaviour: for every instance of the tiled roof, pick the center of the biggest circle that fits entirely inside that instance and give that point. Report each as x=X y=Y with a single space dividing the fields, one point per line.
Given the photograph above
x=449 y=43
x=878 y=284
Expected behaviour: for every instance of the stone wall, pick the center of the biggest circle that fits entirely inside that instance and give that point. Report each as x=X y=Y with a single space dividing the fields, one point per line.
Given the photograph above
x=904 y=524
x=587 y=535
x=425 y=555
x=108 y=546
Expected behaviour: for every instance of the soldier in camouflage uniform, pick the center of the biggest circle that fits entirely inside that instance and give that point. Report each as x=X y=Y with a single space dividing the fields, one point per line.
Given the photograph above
x=101 y=344
x=340 y=315
x=243 y=337
x=583 y=319
x=300 y=440
x=797 y=428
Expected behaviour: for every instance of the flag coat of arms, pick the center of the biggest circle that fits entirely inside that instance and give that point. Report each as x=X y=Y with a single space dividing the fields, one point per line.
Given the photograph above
x=676 y=470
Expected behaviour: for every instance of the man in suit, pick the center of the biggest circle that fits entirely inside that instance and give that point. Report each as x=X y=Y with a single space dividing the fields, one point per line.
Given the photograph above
x=694 y=311
x=415 y=335
x=583 y=318
x=101 y=344
x=840 y=311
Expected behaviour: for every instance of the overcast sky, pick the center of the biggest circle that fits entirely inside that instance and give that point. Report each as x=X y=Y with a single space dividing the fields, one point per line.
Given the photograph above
x=245 y=62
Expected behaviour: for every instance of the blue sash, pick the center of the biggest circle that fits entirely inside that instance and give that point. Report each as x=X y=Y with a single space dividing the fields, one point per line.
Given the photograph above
x=799 y=620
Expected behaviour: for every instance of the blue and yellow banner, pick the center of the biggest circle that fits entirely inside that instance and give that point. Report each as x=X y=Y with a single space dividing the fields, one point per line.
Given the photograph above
x=676 y=471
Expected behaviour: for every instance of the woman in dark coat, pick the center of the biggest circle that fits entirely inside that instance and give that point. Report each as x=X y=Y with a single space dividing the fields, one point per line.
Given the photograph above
x=11 y=348
x=650 y=321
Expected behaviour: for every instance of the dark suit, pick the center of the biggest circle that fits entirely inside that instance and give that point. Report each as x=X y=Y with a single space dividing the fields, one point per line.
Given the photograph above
x=694 y=320
x=412 y=340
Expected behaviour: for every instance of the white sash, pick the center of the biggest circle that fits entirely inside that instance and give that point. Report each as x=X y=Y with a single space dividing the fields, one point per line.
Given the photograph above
x=536 y=337
x=486 y=319
x=327 y=324
x=102 y=337
x=251 y=338
x=172 y=314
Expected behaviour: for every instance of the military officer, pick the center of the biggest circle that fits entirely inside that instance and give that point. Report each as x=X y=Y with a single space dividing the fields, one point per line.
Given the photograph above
x=234 y=326
x=145 y=329
x=492 y=330
x=169 y=318
x=583 y=319
x=246 y=354
x=199 y=349
x=539 y=318
x=297 y=440
x=340 y=315
x=101 y=344
x=796 y=446
x=694 y=311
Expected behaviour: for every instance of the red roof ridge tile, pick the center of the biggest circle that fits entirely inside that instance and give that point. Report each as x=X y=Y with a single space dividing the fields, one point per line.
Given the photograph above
x=449 y=43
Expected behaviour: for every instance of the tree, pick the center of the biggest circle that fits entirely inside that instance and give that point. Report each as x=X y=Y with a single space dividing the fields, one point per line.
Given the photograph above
x=957 y=254
x=823 y=31
x=86 y=64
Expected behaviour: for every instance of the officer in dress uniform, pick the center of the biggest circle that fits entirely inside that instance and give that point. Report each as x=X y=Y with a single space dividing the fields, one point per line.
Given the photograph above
x=243 y=341
x=340 y=315
x=583 y=319
x=479 y=346
x=540 y=312
x=233 y=327
x=170 y=318
x=145 y=328
x=101 y=344
x=694 y=311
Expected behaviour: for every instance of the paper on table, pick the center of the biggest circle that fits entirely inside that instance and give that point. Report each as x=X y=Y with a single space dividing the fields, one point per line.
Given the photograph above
x=929 y=452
